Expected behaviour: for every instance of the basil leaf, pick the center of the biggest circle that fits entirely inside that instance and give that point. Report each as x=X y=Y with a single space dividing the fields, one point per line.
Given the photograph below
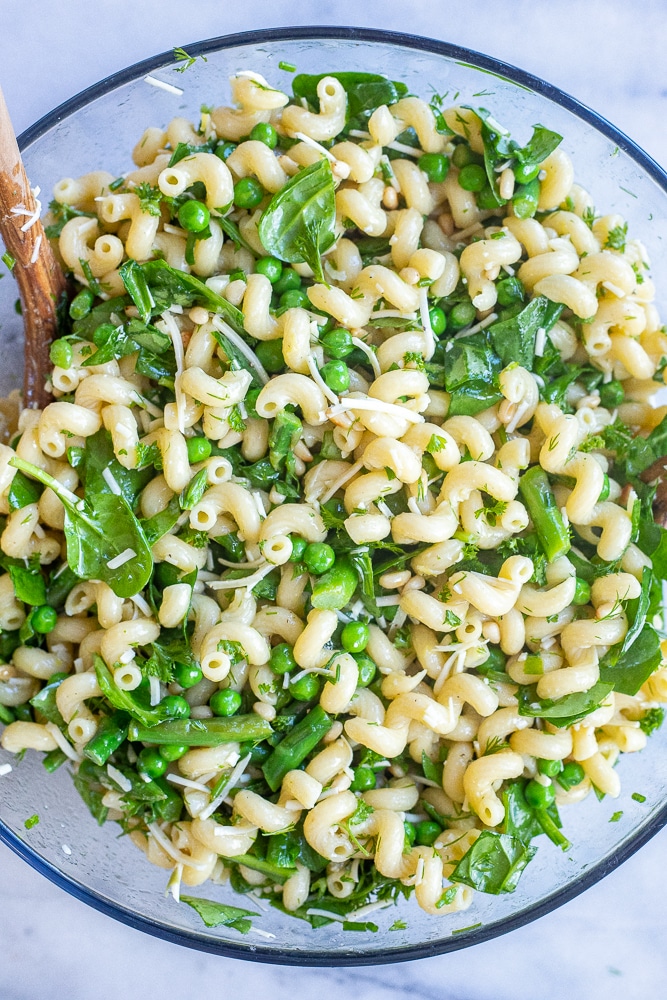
x=564 y=711
x=298 y=224
x=161 y=523
x=97 y=529
x=514 y=339
x=633 y=667
x=220 y=914
x=494 y=863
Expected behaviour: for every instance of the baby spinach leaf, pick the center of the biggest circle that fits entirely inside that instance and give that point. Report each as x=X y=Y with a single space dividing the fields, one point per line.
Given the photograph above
x=494 y=863
x=98 y=528
x=98 y=455
x=161 y=523
x=628 y=670
x=469 y=359
x=221 y=914
x=564 y=711
x=365 y=91
x=127 y=701
x=637 y=610
x=60 y=584
x=172 y=646
x=514 y=339
x=499 y=146
x=285 y=849
x=44 y=702
x=29 y=584
x=297 y=225
x=85 y=327
x=92 y=791
x=154 y=286
x=472 y=398
x=23 y=491
x=525 y=822
x=540 y=145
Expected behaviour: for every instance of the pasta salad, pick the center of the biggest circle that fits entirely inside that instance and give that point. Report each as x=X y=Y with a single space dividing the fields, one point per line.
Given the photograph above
x=333 y=568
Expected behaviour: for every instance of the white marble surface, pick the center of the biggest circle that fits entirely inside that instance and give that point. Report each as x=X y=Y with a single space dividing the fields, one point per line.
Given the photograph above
x=607 y=942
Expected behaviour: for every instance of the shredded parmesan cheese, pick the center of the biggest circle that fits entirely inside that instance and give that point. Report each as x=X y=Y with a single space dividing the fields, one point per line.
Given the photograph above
x=170 y=327
x=370 y=354
x=123 y=783
x=7 y=768
x=121 y=558
x=161 y=85
x=319 y=381
x=63 y=743
x=154 y=686
x=375 y=405
x=239 y=343
x=232 y=782
x=35 y=252
x=111 y=482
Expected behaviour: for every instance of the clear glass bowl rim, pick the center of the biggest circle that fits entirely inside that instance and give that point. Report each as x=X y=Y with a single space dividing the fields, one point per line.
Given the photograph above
x=658 y=820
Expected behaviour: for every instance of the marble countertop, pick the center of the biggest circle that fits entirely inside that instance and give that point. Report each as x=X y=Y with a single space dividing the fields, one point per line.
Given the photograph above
x=604 y=943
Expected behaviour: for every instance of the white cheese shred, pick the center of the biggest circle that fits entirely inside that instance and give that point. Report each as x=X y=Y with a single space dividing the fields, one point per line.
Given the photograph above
x=154 y=687
x=319 y=381
x=426 y=323
x=162 y=85
x=35 y=252
x=376 y=405
x=370 y=354
x=233 y=780
x=121 y=558
x=109 y=479
x=240 y=343
x=123 y=783
x=6 y=769
x=171 y=328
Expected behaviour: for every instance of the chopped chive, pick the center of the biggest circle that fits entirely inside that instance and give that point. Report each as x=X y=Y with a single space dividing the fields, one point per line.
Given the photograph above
x=638 y=797
x=462 y=930
x=615 y=818
x=117 y=184
x=288 y=67
x=31 y=821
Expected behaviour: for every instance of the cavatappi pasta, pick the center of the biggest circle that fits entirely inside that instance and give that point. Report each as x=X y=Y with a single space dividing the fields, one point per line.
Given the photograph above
x=332 y=555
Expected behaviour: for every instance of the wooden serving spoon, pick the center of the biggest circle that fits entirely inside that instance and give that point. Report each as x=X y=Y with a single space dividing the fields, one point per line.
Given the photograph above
x=40 y=278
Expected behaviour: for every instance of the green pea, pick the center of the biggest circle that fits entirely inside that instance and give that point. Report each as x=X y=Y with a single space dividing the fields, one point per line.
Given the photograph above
x=462 y=314
x=367 y=669
x=224 y=150
x=299 y=546
x=472 y=177
x=438 y=320
x=318 y=557
x=199 y=449
x=194 y=216
x=410 y=833
x=428 y=832
x=606 y=488
x=103 y=333
x=354 y=637
x=226 y=702
x=60 y=353
x=173 y=751
x=487 y=199
x=282 y=659
x=187 y=674
x=335 y=588
x=287 y=280
x=306 y=688
x=582 y=592
x=510 y=291
x=539 y=796
x=571 y=775
x=248 y=192
x=44 y=619
x=294 y=298
x=81 y=304
x=525 y=199
x=550 y=767
x=270 y=353
x=435 y=166
x=173 y=706
x=612 y=394
x=463 y=155
x=336 y=374
x=364 y=779
x=270 y=267
x=338 y=343
x=151 y=762
x=524 y=173
x=265 y=132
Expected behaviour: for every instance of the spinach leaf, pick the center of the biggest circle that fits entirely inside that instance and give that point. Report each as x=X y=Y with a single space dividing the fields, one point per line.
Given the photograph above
x=637 y=610
x=494 y=863
x=472 y=398
x=97 y=529
x=365 y=91
x=471 y=374
x=171 y=647
x=238 y=359
x=60 y=584
x=514 y=339
x=23 y=491
x=98 y=455
x=499 y=146
x=154 y=286
x=627 y=671
x=85 y=327
x=298 y=224
x=29 y=584
x=285 y=849
x=564 y=711
x=127 y=701
x=526 y=822
x=161 y=523
x=221 y=914
x=44 y=702
x=92 y=791
x=540 y=145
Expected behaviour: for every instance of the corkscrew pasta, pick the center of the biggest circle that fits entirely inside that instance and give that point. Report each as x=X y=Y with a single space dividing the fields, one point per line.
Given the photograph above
x=332 y=567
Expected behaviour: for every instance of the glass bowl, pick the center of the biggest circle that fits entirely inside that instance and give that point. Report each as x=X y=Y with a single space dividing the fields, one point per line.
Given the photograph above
x=97 y=129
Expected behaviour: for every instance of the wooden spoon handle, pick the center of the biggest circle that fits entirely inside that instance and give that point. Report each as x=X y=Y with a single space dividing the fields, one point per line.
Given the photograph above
x=40 y=279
